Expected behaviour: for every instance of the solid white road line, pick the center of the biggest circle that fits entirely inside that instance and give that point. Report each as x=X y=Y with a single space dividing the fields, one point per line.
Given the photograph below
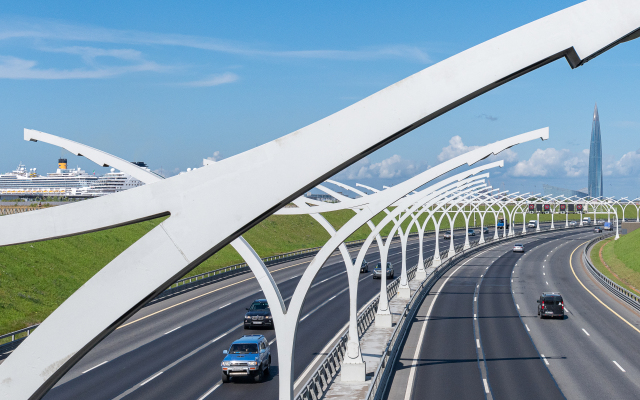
x=478 y=343
x=527 y=326
x=232 y=303
x=217 y=385
x=152 y=378
x=486 y=385
x=174 y=329
x=618 y=365
x=412 y=372
x=102 y=363
x=544 y=358
x=587 y=333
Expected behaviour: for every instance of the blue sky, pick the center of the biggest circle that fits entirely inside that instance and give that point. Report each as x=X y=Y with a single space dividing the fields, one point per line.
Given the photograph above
x=171 y=83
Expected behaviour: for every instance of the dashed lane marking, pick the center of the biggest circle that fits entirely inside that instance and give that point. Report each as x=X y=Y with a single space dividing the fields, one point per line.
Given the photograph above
x=486 y=385
x=544 y=358
x=527 y=326
x=152 y=378
x=174 y=329
x=585 y=332
x=478 y=343
x=618 y=365
x=102 y=363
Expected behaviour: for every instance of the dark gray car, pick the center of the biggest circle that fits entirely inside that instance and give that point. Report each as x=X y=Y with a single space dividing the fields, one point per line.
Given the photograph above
x=377 y=271
x=551 y=305
x=364 y=267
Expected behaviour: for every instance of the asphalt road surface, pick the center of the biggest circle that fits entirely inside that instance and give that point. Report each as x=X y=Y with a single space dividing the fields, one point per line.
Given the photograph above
x=173 y=348
x=477 y=335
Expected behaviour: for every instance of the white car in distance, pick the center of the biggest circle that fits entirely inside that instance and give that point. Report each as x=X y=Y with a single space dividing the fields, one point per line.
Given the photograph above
x=518 y=248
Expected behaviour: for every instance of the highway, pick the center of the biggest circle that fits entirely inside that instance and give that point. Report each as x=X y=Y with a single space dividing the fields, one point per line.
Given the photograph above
x=477 y=335
x=173 y=348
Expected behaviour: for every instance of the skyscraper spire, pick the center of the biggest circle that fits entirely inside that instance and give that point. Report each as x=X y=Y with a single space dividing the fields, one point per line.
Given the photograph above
x=595 y=157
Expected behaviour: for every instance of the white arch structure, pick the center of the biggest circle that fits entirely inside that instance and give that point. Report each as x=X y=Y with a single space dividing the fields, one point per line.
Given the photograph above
x=578 y=33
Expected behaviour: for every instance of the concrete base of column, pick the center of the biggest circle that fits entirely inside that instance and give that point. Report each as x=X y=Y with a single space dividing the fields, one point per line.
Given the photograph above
x=420 y=275
x=384 y=320
x=404 y=292
x=467 y=246
x=436 y=262
x=451 y=253
x=356 y=372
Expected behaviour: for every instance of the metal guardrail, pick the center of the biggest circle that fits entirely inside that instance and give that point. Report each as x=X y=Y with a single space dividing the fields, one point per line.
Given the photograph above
x=16 y=338
x=317 y=385
x=628 y=297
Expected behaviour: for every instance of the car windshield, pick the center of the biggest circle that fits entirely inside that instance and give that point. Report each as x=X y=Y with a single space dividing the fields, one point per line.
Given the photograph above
x=243 y=348
x=259 y=306
x=518 y=245
x=378 y=266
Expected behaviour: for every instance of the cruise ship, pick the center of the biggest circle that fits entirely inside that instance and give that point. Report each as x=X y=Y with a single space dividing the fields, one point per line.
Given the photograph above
x=23 y=182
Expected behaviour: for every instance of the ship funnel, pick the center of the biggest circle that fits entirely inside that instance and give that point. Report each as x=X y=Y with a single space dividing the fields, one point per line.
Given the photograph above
x=62 y=163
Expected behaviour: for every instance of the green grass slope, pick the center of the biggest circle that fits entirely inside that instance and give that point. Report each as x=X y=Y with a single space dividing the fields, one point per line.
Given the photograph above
x=36 y=278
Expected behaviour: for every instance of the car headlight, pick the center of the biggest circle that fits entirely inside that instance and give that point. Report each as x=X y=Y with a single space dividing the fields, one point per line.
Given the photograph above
x=252 y=363
x=268 y=317
x=226 y=363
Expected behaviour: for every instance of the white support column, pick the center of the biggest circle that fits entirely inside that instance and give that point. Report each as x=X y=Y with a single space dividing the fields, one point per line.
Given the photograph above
x=537 y=222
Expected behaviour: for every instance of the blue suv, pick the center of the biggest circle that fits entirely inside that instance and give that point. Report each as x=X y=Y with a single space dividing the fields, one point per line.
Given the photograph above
x=249 y=356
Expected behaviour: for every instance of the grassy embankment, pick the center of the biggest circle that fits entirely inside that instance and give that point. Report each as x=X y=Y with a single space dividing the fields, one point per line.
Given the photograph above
x=36 y=278
x=623 y=258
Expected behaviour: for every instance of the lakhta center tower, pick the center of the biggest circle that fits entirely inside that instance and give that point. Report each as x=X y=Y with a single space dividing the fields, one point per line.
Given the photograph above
x=595 y=158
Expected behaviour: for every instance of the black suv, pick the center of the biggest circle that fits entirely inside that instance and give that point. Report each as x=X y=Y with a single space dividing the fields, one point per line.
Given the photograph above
x=258 y=315
x=551 y=305
x=364 y=267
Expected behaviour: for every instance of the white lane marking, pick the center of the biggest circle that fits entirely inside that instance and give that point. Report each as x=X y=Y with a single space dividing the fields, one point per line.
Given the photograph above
x=412 y=372
x=475 y=298
x=512 y=281
x=271 y=342
x=546 y=282
x=481 y=276
x=487 y=268
x=527 y=326
x=618 y=365
x=102 y=363
x=586 y=333
x=150 y=379
x=475 y=317
x=543 y=273
x=486 y=385
x=217 y=385
x=513 y=272
x=174 y=329
x=231 y=303
x=544 y=358
x=518 y=306
x=478 y=343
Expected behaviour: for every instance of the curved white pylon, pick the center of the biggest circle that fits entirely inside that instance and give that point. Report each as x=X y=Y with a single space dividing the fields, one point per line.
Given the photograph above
x=206 y=197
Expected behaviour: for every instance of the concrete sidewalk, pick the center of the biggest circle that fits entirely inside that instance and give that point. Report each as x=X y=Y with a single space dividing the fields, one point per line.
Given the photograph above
x=372 y=345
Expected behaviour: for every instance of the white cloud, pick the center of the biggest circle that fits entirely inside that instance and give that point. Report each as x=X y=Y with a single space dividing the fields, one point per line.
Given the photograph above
x=456 y=147
x=18 y=68
x=628 y=164
x=214 y=80
x=216 y=156
x=392 y=167
x=552 y=162
x=45 y=29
